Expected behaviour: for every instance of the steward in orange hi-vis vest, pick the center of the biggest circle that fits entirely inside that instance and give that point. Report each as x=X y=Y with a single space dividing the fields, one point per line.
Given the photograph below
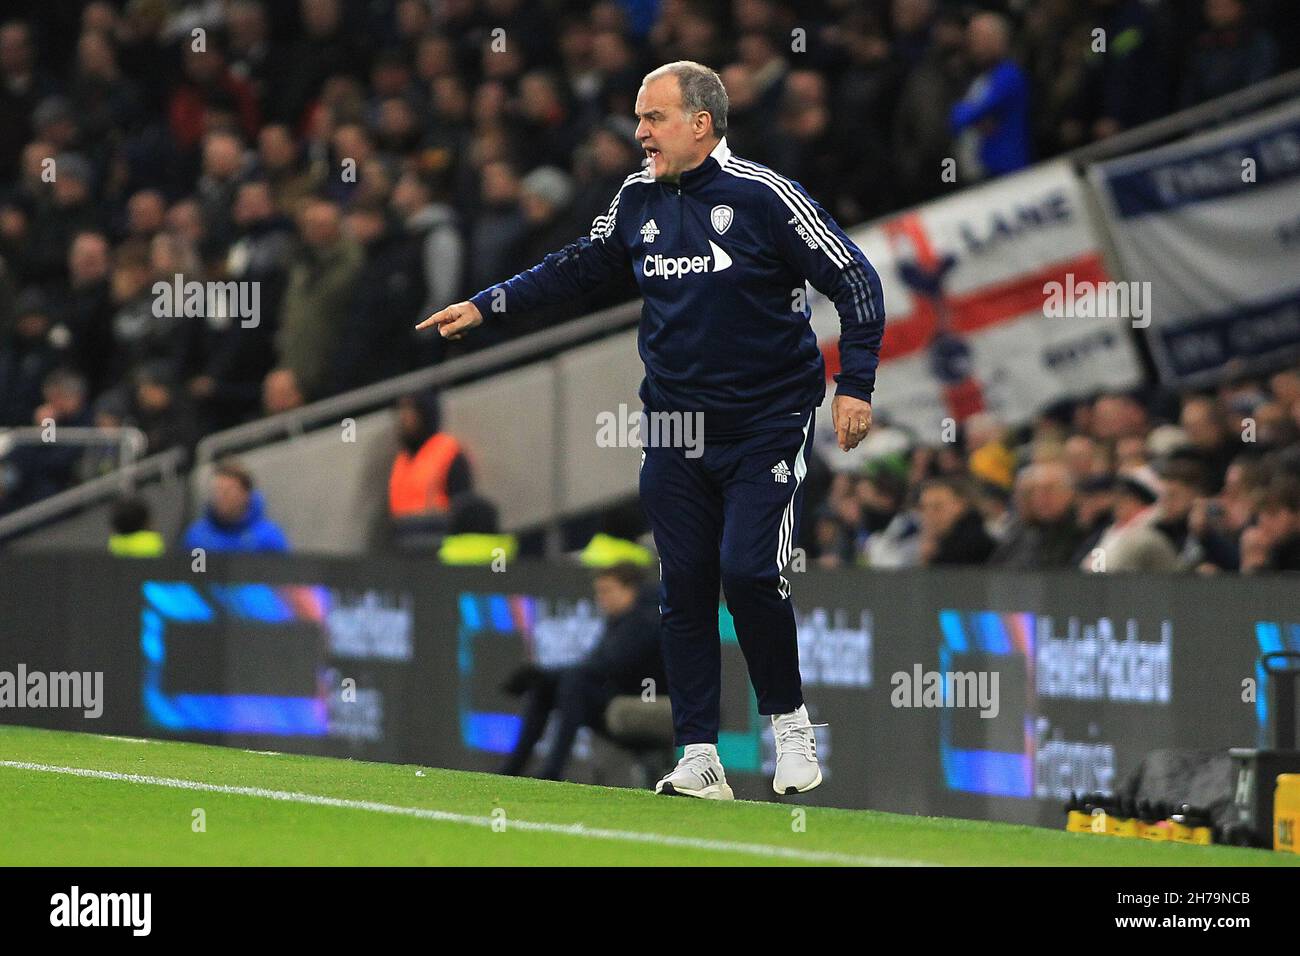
x=418 y=483
x=430 y=468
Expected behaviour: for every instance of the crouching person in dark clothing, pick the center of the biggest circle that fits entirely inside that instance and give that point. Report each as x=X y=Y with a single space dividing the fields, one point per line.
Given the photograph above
x=626 y=655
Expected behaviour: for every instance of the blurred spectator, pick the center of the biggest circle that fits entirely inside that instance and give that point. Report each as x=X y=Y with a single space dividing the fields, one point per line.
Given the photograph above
x=1085 y=457
x=1132 y=542
x=1046 y=533
x=1273 y=543
x=23 y=84
x=952 y=530
x=474 y=535
x=235 y=516
x=35 y=470
x=132 y=536
x=1231 y=53
x=223 y=165
x=110 y=410
x=1125 y=84
x=377 y=339
x=617 y=542
x=279 y=160
x=314 y=310
x=498 y=229
x=27 y=356
x=140 y=333
x=71 y=209
x=208 y=95
x=1094 y=511
x=161 y=410
x=625 y=657
x=1182 y=483
x=105 y=101
x=991 y=122
x=235 y=350
x=421 y=202
x=986 y=445
x=250 y=54
x=87 y=307
x=833 y=540
x=324 y=46
x=1207 y=435
x=993 y=502
x=934 y=82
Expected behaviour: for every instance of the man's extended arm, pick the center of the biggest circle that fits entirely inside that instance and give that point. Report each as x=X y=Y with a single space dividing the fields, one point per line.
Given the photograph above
x=579 y=267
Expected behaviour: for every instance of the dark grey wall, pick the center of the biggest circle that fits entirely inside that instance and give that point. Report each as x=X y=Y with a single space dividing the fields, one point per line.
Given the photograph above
x=1093 y=671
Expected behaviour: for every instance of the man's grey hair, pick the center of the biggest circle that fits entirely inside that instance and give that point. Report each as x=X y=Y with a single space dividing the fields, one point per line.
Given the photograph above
x=702 y=90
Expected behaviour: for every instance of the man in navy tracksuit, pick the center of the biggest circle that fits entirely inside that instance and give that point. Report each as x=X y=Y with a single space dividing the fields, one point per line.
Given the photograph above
x=721 y=249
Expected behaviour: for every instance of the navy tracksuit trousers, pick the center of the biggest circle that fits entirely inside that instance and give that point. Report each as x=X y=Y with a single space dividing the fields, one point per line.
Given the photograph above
x=727 y=520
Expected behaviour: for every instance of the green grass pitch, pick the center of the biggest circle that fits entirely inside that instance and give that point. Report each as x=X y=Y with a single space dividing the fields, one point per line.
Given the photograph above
x=133 y=802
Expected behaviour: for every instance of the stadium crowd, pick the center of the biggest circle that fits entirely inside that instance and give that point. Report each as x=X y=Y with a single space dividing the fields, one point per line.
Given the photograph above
x=1121 y=482
x=359 y=164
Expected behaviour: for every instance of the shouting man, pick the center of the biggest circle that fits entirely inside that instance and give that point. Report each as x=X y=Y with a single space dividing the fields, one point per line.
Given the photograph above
x=721 y=249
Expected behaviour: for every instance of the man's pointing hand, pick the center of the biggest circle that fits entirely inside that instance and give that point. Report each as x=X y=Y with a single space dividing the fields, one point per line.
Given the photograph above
x=455 y=320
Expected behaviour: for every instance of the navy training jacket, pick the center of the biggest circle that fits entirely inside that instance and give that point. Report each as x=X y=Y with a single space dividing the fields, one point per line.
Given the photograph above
x=721 y=258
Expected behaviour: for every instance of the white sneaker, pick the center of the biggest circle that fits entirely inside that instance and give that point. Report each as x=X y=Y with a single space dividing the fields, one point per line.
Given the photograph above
x=797 y=770
x=698 y=774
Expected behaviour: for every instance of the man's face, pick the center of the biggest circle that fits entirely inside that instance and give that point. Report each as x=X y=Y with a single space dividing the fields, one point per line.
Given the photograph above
x=276 y=147
x=15 y=50
x=1176 y=500
x=667 y=133
x=940 y=509
x=253 y=204
x=1277 y=523
x=229 y=499
x=613 y=597
x=221 y=157
x=985 y=41
x=88 y=260
x=1222 y=14
x=1198 y=421
x=320 y=225
x=1050 y=498
x=1081 y=456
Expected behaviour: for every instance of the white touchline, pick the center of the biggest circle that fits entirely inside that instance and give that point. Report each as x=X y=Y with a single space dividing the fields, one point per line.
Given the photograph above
x=446 y=816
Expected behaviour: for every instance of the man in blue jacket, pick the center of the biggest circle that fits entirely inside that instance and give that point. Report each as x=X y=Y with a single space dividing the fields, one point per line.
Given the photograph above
x=721 y=249
x=991 y=123
x=235 y=517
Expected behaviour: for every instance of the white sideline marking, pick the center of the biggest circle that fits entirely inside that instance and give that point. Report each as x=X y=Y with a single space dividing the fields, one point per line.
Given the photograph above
x=445 y=816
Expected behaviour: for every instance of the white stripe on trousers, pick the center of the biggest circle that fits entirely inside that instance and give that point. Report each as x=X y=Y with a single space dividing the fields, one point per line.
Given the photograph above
x=785 y=537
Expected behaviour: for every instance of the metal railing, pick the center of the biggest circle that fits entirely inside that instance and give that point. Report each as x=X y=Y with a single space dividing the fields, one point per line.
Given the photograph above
x=165 y=466
x=380 y=394
x=130 y=441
